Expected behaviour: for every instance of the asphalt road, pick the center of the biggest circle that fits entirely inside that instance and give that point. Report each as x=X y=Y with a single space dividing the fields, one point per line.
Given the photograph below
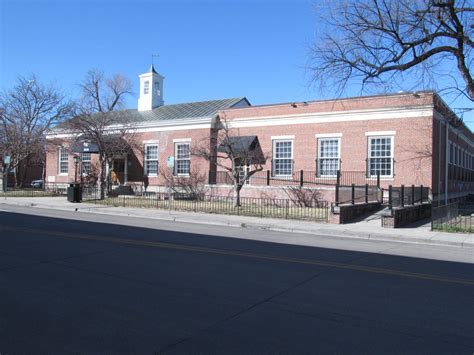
x=93 y=287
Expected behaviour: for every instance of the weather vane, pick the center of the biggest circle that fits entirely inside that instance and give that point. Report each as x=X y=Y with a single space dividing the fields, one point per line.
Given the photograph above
x=153 y=56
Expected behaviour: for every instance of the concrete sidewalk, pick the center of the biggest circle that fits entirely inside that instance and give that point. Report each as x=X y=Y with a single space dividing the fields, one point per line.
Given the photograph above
x=368 y=229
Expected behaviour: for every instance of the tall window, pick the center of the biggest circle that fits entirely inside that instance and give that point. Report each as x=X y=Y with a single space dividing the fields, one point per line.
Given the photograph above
x=182 y=158
x=151 y=159
x=85 y=163
x=328 y=156
x=451 y=153
x=146 y=87
x=282 y=157
x=243 y=172
x=381 y=156
x=63 y=161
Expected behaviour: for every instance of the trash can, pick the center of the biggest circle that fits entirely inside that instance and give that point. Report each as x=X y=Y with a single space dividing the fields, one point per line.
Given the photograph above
x=74 y=193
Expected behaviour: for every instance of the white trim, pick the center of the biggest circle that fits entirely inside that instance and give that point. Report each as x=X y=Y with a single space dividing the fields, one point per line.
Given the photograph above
x=151 y=141
x=176 y=160
x=278 y=140
x=328 y=135
x=458 y=132
x=177 y=127
x=60 y=149
x=318 y=153
x=333 y=117
x=282 y=137
x=392 y=155
x=145 y=160
x=182 y=140
x=380 y=133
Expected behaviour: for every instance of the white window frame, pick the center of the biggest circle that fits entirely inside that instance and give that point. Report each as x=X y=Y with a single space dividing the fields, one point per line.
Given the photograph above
x=320 y=159
x=245 y=169
x=61 y=153
x=392 y=148
x=274 y=158
x=87 y=161
x=146 y=87
x=177 y=159
x=146 y=159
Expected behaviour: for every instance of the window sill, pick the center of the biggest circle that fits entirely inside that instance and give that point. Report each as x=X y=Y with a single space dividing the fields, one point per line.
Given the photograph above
x=151 y=175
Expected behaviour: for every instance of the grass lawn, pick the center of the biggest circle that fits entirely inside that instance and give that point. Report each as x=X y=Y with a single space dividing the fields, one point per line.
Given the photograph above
x=225 y=206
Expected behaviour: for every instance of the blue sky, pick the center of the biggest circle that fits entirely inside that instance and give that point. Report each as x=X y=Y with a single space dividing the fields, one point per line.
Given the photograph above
x=208 y=49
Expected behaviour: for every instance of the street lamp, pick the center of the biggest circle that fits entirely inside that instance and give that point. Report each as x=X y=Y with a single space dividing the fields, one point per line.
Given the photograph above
x=6 y=163
x=76 y=163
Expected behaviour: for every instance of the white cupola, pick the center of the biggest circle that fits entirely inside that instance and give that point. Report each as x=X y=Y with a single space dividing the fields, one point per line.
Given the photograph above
x=151 y=90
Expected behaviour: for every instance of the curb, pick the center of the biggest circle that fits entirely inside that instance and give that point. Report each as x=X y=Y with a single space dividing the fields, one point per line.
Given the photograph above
x=319 y=232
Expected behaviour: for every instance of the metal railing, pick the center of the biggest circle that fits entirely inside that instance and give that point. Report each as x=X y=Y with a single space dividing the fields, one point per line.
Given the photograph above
x=298 y=178
x=452 y=218
x=45 y=190
x=357 y=194
x=255 y=207
x=402 y=196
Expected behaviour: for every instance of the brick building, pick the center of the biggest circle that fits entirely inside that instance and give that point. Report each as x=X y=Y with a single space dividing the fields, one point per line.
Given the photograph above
x=404 y=139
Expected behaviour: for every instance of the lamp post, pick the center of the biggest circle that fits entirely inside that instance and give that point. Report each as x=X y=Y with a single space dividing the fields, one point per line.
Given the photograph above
x=76 y=163
x=6 y=163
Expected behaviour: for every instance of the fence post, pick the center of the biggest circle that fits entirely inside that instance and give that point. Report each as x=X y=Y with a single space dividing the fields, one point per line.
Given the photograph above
x=390 y=196
x=402 y=196
x=421 y=193
x=301 y=177
x=412 y=194
x=366 y=193
x=124 y=201
x=286 y=209
x=353 y=193
x=338 y=177
x=268 y=177
x=337 y=194
x=378 y=179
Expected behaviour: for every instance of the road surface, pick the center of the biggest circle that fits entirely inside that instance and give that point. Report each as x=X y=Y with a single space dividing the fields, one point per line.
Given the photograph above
x=98 y=285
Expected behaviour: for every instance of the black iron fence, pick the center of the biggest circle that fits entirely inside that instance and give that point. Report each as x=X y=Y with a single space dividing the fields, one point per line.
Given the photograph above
x=255 y=207
x=357 y=194
x=42 y=190
x=298 y=178
x=401 y=196
x=452 y=218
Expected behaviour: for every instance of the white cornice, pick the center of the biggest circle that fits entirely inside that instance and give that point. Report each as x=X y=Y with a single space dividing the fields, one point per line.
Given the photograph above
x=438 y=116
x=333 y=116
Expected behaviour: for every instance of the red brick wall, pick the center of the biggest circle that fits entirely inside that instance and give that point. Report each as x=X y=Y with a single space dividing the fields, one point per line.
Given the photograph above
x=412 y=146
x=416 y=140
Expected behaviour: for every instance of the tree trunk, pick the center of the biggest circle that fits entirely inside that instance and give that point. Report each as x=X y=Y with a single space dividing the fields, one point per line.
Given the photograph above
x=22 y=171
x=102 y=162
x=237 y=189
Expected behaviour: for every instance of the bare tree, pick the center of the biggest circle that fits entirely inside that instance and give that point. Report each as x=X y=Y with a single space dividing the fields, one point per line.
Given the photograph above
x=376 y=41
x=193 y=185
x=303 y=197
x=239 y=156
x=98 y=120
x=27 y=112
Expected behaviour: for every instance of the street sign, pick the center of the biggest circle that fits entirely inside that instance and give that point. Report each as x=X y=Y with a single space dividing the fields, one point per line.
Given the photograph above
x=7 y=160
x=170 y=162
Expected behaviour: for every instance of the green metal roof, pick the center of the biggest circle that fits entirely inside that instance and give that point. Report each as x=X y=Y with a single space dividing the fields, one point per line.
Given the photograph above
x=192 y=110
